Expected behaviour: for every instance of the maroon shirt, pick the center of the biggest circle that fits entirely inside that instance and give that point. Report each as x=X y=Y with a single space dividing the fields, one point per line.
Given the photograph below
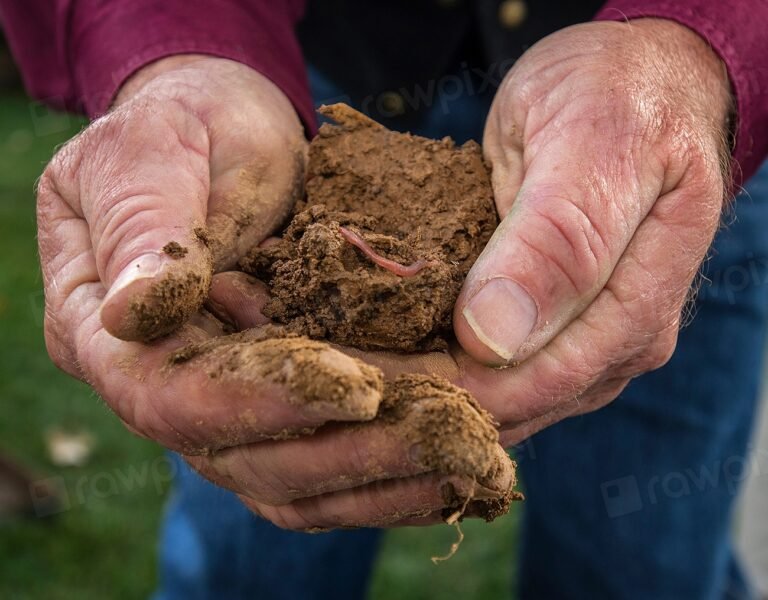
x=75 y=54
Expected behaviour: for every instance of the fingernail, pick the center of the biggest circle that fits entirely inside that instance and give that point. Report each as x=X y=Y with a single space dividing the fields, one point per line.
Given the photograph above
x=502 y=315
x=144 y=267
x=415 y=453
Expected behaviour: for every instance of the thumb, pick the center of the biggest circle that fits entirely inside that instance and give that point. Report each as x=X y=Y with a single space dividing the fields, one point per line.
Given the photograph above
x=579 y=203
x=139 y=177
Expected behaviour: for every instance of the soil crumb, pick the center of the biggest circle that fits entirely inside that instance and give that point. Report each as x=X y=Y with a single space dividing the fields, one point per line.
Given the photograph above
x=375 y=256
x=202 y=235
x=175 y=250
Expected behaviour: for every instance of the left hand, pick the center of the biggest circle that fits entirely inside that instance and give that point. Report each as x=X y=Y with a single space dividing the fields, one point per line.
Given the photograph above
x=607 y=146
x=607 y=142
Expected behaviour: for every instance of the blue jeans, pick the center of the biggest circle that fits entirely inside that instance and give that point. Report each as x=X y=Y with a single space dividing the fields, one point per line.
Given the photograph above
x=632 y=501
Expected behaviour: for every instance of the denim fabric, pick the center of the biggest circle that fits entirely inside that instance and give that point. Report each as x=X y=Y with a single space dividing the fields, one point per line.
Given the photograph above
x=633 y=501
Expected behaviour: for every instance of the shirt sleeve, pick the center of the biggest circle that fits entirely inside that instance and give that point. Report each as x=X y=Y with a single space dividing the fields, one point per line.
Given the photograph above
x=75 y=54
x=737 y=32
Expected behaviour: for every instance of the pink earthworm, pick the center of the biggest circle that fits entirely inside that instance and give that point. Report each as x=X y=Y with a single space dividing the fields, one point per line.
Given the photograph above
x=385 y=263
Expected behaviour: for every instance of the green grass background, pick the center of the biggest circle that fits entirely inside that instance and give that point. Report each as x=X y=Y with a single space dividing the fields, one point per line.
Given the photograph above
x=104 y=545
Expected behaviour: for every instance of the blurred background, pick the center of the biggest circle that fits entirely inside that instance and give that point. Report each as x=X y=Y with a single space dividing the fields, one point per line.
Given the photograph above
x=81 y=499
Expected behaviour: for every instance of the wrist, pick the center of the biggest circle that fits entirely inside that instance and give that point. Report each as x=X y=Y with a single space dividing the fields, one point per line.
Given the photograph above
x=698 y=82
x=674 y=37
x=690 y=68
x=165 y=67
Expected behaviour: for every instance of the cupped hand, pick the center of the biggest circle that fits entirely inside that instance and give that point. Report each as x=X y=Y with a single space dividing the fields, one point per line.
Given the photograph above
x=208 y=154
x=608 y=145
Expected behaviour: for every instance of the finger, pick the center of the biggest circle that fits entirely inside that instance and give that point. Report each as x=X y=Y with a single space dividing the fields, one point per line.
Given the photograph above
x=232 y=390
x=257 y=144
x=379 y=504
x=240 y=299
x=434 y=518
x=230 y=394
x=594 y=398
x=270 y=241
x=475 y=509
x=629 y=329
x=139 y=180
x=487 y=509
x=279 y=472
x=207 y=323
x=257 y=168
x=586 y=189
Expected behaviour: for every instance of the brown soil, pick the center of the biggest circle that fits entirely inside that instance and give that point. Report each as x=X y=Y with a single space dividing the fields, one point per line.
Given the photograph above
x=414 y=201
x=166 y=305
x=373 y=257
x=175 y=250
x=454 y=436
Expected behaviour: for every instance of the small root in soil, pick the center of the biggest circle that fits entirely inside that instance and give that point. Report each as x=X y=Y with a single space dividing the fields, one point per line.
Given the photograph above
x=453 y=519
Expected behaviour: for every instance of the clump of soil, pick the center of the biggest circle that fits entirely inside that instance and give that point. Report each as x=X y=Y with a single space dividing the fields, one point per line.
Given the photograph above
x=374 y=257
x=376 y=254
x=348 y=299
x=454 y=436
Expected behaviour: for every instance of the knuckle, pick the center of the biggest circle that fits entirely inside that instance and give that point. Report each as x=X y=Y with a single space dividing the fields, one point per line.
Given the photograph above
x=264 y=479
x=291 y=517
x=568 y=241
x=373 y=500
x=601 y=395
x=659 y=352
x=62 y=173
x=133 y=431
x=62 y=358
x=694 y=156
x=147 y=413
x=559 y=380
x=46 y=184
x=122 y=222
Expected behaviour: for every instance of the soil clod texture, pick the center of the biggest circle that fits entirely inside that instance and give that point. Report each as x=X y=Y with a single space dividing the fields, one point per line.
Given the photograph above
x=376 y=254
x=373 y=256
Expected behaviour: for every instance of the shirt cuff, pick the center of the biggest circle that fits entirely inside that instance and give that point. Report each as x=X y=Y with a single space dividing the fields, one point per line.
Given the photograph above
x=109 y=41
x=736 y=32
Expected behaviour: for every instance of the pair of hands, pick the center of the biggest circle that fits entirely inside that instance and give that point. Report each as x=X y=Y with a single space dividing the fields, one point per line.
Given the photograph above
x=607 y=144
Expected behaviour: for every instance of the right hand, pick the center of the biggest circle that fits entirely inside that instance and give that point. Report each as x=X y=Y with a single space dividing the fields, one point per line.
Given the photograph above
x=196 y=141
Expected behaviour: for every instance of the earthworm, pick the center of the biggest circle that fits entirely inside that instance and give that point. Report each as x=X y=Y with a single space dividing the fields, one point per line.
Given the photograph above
x=385 y=263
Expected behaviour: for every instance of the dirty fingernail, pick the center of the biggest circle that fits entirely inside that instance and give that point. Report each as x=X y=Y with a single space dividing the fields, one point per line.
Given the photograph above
x=502 y=315
x=145 y=266
x=415 y=453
